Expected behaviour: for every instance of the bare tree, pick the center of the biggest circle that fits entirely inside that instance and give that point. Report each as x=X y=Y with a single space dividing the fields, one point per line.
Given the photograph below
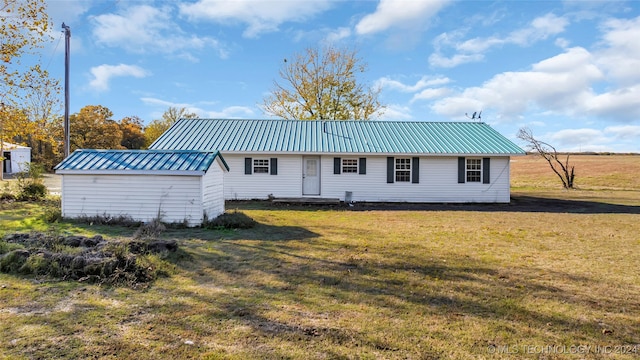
x=564 y=170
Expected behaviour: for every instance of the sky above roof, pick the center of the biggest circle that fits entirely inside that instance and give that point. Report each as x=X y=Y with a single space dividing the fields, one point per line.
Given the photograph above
x=568 y=70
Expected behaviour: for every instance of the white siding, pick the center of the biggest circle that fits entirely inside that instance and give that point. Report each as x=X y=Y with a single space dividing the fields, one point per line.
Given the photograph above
x=213 y=191
x=288 y=182
x=438 y=181
x=142 y=197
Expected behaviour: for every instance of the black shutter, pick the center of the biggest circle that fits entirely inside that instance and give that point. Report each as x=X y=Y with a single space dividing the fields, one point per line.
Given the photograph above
x=390 y=168
x=362 y=166
x=461 y=170
x=486 y=171
x=336 y=165
x=415 y=170
x=273 y=163
x=248 y=164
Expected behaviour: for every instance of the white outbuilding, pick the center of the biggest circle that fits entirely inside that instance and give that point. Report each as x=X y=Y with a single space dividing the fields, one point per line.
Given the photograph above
x=175 y=186
x=15 y=158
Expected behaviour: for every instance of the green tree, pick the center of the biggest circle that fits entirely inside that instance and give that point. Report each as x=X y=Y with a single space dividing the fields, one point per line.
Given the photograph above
x=132 y=132
x=158 y=126
x=93 y=128
x=24 y=26
x=323 y=85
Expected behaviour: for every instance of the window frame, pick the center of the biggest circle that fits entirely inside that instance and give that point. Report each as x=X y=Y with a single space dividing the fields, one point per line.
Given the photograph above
x=354 y=167
x=262 y=164
x=403 y=175
x=473 y=170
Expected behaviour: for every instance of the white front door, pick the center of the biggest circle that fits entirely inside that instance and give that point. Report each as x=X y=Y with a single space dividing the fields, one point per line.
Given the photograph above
x=310 y=175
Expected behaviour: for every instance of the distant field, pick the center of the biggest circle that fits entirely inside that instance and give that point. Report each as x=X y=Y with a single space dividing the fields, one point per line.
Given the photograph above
x=609 y=178
x=553 y=275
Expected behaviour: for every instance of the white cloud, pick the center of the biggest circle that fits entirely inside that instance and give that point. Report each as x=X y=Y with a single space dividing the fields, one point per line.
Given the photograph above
x=337 y=35
x=438 y=60
x=146 y=29
x=620 y=55
x=396 y=112
x=424 y=82
x=472 y=50
x=399 y=13
x=624 y=132
x=561 y=84
x=429 y=94
x=104 y=73
x=230 y=112
x=578 y=137
x=259 y=16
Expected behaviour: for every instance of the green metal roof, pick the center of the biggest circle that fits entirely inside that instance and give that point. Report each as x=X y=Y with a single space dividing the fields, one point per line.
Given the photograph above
x=353 y=137
x=139 y=160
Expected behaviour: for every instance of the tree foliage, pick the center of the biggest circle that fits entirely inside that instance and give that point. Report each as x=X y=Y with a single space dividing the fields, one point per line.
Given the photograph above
x=323 y=85
x=24 y=26
x=93 y=128
x=132 y=132
x=158 y=126
x=563 y=169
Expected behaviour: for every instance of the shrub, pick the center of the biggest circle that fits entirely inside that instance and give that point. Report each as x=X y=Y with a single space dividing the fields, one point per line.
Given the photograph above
x=233 y=220
x=32 y=191
x=150 y=230
x=52 y=214
x=30 y=185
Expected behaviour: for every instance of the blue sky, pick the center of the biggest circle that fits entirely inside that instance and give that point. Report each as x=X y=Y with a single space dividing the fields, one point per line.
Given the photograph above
x=568 y=70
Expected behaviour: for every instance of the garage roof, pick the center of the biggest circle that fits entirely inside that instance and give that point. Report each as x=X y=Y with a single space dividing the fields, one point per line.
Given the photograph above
x=156 y=161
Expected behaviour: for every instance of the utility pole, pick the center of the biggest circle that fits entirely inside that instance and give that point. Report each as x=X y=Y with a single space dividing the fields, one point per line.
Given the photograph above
x=67 y=37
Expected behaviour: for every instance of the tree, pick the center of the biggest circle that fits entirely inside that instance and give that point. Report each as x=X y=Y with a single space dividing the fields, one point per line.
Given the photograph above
x=92 y=128
x=24 y=28
x=323 y=85
x=564 y=170
x=132 y=133
x=159 y=126
x=42 y=105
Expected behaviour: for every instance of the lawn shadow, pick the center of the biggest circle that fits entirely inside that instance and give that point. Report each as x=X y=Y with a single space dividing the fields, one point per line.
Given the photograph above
x=519 y=203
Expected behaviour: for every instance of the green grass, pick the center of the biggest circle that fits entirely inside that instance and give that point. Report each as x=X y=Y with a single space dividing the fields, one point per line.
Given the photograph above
x=314 y=282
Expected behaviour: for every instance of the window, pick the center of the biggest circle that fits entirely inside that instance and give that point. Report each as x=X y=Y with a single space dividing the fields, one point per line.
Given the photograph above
x=403 y=170
x=350 y=166
x=260 y=166
x=474 y=170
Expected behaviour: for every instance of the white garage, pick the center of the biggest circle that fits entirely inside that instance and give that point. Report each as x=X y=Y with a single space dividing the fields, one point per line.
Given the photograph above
x=175 y=186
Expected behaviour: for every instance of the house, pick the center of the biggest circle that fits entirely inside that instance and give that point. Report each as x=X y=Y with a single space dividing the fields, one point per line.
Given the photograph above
x=175 y=185
x=372 y=161
x=15 y=158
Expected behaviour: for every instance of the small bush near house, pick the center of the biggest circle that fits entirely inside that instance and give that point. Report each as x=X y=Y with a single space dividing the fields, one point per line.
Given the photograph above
x=52 y=214
x=150 y=230
x=30 y=184
x=32 y=192
x=230 y=220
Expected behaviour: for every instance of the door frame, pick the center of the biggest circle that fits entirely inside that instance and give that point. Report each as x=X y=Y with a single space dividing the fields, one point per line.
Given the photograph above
x=304 y=170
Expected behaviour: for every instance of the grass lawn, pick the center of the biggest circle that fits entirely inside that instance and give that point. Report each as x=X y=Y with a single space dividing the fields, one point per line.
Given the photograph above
x=554 y=273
